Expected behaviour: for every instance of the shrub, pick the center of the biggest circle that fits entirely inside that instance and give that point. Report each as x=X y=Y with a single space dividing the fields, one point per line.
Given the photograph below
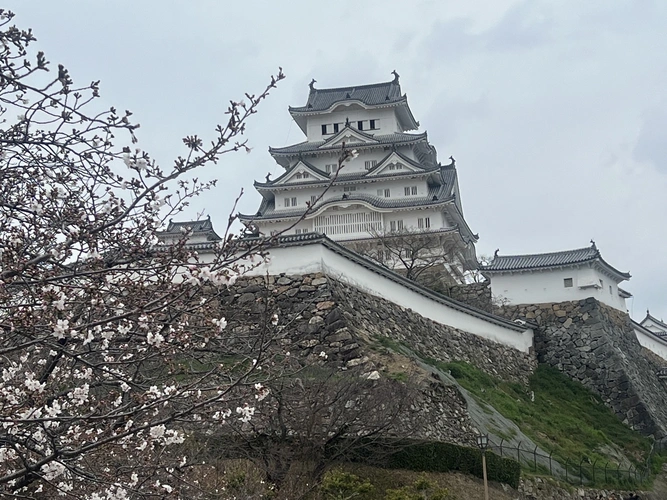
x=341 y=485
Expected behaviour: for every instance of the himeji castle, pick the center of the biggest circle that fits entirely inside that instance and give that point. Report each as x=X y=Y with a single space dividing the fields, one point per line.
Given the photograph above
x=393 y=183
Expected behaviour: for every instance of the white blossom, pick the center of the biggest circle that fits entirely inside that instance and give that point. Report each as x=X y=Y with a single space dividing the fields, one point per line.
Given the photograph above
x=246 y=413
x=154 y=339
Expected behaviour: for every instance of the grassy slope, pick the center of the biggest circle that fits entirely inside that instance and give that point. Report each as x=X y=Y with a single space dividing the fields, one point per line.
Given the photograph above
x=564 y=416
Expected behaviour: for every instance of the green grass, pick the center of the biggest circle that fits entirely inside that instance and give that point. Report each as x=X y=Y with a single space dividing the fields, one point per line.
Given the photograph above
x=565 y=417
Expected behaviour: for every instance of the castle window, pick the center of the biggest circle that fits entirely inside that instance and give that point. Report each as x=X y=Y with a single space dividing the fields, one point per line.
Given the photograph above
x=313 y=199
x=410 y=190
x=374 y=124
x=392 y=166
x=392 y=225
x=406 y=191
x=324 y=129
x=610 y=292
x=287 y=202
x=349 y=188
x=424 y=222
x=336 y=127
x=387 y=193
x=399 y=166
x=567 y=282
x=360 y=125
x=413 y=190
x=299 y=175
x=294 y=202
x=330 y=167
x=297 y=231
x=306 y=175
x=368 y=164
x=399 y=225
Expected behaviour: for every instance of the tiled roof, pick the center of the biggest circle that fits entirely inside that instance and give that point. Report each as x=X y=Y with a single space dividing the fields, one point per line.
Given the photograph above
x=532 y=261
x=345 y=178
x=195 y=226
x=640 y=326
x=654 y=320
x=372 y=95
x=305 y=147
x=547 y=260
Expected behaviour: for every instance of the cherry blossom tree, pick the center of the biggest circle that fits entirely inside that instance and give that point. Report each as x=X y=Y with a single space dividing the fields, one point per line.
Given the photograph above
x=111 y=347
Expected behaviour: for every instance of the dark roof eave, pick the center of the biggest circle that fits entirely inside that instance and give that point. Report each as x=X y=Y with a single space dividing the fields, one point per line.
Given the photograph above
x=281 y=152
x=341 y=180
x=300 y=111
x=610 y=269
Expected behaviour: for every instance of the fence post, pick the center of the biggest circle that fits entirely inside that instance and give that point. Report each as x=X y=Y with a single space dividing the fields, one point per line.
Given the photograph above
x=596 y=461
x=581 y=476
x=535 y=458
x=605 y=471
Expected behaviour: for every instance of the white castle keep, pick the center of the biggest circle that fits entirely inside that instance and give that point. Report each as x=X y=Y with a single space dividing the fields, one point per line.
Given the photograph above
x=394 y=184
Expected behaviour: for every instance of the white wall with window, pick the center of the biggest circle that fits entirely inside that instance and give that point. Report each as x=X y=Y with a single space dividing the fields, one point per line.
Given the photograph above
x=556 y=285
x=384 y=121
x=381 y=188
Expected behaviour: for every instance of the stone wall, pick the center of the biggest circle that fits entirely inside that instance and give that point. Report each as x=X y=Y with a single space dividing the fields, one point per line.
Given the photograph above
x=474 y=294
x=377 y=318
x=596 y=345
x=314 y=328
x=326 y=322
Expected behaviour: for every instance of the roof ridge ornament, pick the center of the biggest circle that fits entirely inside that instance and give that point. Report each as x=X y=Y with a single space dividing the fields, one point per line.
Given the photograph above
x=396 y=76
x=593 y=246
x=453 y=162
x=312 y=84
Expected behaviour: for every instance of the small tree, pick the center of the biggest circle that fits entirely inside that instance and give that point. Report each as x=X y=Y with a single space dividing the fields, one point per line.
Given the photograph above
x=430 y=258
x=110 y=347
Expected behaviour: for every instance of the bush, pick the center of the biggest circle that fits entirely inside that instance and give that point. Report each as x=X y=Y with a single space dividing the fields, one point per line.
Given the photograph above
x=341 y=485
x=445 y=457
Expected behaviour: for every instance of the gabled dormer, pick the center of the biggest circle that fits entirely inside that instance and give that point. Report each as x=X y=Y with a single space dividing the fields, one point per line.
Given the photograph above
x=350 y=137
x=395 y=163
x=302 y=172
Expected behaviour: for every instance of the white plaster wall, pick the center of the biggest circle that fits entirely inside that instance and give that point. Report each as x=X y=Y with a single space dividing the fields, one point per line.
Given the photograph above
x=317 y=258
x=387 y=117
x=654 y=344
x=409 y=218
x=548 y=286
x=336 y=192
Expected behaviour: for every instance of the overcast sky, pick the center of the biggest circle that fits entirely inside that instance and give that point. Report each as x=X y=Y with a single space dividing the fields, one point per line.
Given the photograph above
x=555 y=111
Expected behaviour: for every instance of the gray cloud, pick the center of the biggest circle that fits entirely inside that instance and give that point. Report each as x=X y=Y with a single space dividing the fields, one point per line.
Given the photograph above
x=651 y=144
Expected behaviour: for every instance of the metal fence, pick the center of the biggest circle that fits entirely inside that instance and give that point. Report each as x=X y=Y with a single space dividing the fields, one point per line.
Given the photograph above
x=577 y=473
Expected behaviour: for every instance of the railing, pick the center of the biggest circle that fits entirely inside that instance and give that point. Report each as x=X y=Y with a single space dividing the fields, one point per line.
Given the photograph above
x=577 y=473
x=348 y=223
